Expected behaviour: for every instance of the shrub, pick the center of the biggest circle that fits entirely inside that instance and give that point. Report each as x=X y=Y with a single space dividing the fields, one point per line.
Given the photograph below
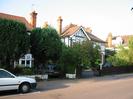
x=27 y=71
x=19 y=70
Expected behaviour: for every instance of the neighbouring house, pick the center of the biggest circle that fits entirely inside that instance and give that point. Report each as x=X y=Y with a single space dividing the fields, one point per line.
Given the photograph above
x=27 y=59
x=114 y=41
x=17 y=18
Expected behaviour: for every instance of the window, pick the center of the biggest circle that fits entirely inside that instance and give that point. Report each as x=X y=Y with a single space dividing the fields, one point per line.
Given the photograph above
x=4 y=74
x=23 y=62
x=27 y=62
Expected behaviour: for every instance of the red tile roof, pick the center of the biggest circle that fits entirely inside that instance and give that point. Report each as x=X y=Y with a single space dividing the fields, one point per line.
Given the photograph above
x=69 y=30
x=16 y=18
x=72 y=28
x=125 y=39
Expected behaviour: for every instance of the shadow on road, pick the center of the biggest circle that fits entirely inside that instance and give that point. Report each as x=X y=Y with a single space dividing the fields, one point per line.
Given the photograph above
x=5 y=93
x=44 y=86
x=13 y=92
x=55 y=84
x=112 y=77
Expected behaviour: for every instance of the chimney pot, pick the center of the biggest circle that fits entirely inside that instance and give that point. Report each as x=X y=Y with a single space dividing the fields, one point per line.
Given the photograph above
x=45 y=25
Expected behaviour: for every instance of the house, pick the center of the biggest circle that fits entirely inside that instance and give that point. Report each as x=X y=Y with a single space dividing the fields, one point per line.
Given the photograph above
x=16 y=18
x=27 y=59
x=72 y=34
x=69 y=35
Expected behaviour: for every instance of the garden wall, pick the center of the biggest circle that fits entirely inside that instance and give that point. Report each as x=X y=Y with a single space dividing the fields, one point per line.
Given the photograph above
x=116 y=70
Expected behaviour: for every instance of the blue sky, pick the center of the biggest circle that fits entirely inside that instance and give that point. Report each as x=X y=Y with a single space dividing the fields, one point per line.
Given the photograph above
x=103 y=16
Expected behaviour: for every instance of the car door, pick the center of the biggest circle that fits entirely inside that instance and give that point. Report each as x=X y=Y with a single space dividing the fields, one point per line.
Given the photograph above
x=8 y=81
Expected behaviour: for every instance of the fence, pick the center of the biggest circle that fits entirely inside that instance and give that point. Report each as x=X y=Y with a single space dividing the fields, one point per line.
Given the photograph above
x=116 y=70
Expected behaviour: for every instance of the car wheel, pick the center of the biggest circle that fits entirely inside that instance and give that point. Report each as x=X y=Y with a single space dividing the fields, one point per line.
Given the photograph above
x=24 y=88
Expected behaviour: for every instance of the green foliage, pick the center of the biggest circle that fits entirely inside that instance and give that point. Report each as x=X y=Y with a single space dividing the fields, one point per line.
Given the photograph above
x=17 y=70
x=84 y=55
x=36 y=43
x=90 y=55
x=130 y=43
x=20 y=70
x=124 y=56
x=14 y=41
x=52 y=43
x=69 y=59
x=117 y=61
x=45 y=45
x=27 y=71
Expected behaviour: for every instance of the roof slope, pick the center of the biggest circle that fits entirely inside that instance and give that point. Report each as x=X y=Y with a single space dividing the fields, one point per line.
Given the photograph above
x=69 y=30
x=16 y=18
x=72 y=28
x=94 y=38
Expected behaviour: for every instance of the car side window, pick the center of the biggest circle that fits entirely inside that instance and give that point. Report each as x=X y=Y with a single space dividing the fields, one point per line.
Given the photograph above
x=4 y=74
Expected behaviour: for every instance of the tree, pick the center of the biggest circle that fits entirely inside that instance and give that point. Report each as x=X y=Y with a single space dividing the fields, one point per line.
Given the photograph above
x=124 y=56
x=130 y=43
x=36 y=41
x=14 y=41
x=130 y=52
x=79 y=56
x=89 y=53
x=45 y=45
x=69 y=60
x=52 y=43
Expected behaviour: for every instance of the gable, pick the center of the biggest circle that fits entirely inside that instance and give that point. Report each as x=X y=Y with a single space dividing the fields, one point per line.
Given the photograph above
x=79 y=32
x=80 y=35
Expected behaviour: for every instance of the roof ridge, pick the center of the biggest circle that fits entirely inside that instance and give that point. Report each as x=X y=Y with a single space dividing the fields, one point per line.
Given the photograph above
x=16 y=18
x=12 y=15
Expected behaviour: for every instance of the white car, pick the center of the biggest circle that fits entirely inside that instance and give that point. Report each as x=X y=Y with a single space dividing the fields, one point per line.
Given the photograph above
x=8 y=81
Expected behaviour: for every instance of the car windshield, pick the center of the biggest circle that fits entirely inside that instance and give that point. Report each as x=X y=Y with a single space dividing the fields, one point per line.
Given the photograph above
x=5 y=74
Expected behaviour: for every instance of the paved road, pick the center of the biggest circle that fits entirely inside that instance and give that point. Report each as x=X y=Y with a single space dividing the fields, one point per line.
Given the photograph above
x=109 y=87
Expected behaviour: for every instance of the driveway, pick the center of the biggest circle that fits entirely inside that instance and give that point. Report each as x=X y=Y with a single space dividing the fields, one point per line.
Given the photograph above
x=108 y=87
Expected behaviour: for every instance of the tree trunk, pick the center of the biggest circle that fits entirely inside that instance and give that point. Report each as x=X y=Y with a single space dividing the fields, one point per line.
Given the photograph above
x=78 y=71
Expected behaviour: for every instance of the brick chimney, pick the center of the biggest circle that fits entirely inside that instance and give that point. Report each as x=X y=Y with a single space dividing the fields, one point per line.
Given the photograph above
x=33 y=19
x=109 y=40
x=59 y=21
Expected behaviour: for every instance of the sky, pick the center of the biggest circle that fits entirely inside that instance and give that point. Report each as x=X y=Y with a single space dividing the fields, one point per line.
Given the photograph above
x=102 y=16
